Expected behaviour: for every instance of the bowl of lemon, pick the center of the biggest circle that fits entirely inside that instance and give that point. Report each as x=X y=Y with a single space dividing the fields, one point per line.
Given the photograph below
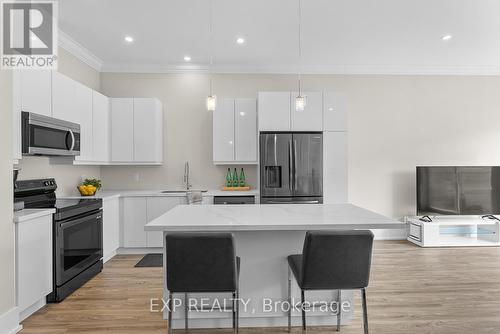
x=89 y=187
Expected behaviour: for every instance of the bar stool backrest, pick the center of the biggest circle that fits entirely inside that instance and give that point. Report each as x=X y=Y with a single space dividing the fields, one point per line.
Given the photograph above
x=337 y=259
x=201 y=262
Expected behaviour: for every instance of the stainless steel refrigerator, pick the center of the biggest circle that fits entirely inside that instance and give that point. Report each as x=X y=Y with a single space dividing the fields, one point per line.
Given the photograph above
x=291 y=167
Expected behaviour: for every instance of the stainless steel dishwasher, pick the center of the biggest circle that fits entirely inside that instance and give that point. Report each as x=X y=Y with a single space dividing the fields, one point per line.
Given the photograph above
x=234 y=199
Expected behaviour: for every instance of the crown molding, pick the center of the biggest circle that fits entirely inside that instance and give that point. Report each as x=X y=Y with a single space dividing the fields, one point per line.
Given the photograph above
x=314 y=70
x=79 y=51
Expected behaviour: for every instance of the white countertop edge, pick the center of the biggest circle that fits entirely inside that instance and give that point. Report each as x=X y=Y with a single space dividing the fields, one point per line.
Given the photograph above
x=29 y=214
x=110 y=194
x=264 y=228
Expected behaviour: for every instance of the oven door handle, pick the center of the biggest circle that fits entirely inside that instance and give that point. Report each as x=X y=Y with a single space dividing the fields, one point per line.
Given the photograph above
x=69 y=223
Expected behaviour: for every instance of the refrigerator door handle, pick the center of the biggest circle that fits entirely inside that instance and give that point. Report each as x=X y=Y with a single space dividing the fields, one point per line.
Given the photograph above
x=295 y=164
x=290 y=157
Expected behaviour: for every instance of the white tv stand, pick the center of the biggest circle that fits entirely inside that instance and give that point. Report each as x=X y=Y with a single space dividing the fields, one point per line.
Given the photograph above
x=453 y=231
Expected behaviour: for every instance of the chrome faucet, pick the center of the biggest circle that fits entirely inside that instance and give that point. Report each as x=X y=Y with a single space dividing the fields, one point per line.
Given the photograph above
x=186 y=176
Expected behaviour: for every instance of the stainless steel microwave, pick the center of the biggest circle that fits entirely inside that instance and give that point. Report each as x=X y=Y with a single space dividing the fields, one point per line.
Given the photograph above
x=43 y=135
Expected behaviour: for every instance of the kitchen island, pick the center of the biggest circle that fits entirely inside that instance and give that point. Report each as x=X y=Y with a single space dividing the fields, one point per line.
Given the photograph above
x=264 y=236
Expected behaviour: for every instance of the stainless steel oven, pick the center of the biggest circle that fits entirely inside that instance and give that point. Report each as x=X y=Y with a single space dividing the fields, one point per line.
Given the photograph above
x=79 y=245
x=43 y=135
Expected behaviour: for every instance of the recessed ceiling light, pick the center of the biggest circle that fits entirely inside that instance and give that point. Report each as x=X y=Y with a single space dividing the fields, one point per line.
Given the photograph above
x=129 y=39
x=446 y=37
x=187 y=58
x=240 y=40
x=34 y=38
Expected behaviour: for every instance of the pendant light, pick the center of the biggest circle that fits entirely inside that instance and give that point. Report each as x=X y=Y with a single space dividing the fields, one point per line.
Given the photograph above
x=211 y=98
x=300 y=100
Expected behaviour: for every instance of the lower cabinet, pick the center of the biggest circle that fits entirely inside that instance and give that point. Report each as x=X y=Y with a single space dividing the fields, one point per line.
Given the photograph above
x=157 y=206
x=137 y=212
x=34 y=263
x=110 y=227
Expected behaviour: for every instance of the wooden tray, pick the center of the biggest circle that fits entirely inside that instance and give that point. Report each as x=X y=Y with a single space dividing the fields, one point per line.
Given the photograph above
x=235 y=188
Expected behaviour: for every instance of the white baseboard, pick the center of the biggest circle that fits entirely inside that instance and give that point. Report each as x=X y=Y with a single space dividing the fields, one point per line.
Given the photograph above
x=109 y=256
x=32 y=309
x=9 y=322
x=398 y=234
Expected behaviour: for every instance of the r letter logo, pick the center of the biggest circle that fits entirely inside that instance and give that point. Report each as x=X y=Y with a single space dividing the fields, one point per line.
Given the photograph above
x=29 y=34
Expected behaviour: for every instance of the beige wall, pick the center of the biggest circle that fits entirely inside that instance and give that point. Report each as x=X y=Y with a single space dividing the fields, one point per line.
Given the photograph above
x=7 y=257
x=395 y=123
x=67 y=176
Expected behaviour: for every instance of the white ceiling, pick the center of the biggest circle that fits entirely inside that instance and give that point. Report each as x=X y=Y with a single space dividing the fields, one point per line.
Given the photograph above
x=339 y=36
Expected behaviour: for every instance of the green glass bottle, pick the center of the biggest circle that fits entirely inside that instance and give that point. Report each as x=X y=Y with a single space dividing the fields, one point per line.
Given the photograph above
x=229 y=178
x=235 y=178
x=243 y=181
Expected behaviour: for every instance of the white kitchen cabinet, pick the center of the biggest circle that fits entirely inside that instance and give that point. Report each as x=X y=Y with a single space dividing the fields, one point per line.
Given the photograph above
x=138 y=211
x=311 y=118
x=335 y=167
x=136 y=131
x=277 y=112
x=157 y=206
x=33 y=263
x=36 y=91
x=334 y=112
x=101 y=127
x=63 y=98
x=31 y=92
x=82 y=109
x=148 y=130
x=134 y=217
x=223 y=131
x=110 y=227
x=245 y=130
x=122 y=130
x=235 y=131
x=274 y=111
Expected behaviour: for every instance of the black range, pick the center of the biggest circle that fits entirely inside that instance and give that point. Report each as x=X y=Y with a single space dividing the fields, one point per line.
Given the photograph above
x=76 y=238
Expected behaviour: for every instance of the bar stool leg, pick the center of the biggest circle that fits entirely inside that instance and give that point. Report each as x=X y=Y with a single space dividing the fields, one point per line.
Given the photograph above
x=234 y=312
x=365 y=310
x=237 y=311
x=289 y=299
x=339 y=312
x=186 y=312
x=170 y=305
x=302 y=298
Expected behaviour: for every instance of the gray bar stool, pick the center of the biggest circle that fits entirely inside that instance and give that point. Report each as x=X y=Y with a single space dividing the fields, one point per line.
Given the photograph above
x=332 y=260
x=202 y=263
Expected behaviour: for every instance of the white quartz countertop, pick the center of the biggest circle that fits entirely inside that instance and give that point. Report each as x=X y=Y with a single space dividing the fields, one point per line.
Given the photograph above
x=108 y=194
x=29 y=214
x=270 y=217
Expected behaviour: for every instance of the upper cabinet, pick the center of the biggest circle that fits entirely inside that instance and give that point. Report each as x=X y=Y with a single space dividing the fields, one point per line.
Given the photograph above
x=311 y=118
x=82 y=110
x=277 y=112
x=101 y=127
x=122 y=130
x=136 y=131
x=35 y=91
x=334 y=112
x=63 y=98
x=148 y=130
x=235 y=131
x=125 y=131
x=274 y=111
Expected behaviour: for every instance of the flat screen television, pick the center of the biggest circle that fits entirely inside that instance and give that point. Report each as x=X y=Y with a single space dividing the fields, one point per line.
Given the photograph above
x=458 y=190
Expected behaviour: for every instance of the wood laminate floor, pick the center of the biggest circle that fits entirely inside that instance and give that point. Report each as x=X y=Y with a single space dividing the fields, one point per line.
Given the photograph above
x=412 y=290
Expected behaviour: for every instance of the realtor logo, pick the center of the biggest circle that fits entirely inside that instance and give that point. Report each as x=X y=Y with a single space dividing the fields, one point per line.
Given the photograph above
x=29 y=34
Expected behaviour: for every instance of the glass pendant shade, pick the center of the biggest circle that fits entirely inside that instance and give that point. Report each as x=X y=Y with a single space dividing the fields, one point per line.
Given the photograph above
x=211 y=102
x=300 y=103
